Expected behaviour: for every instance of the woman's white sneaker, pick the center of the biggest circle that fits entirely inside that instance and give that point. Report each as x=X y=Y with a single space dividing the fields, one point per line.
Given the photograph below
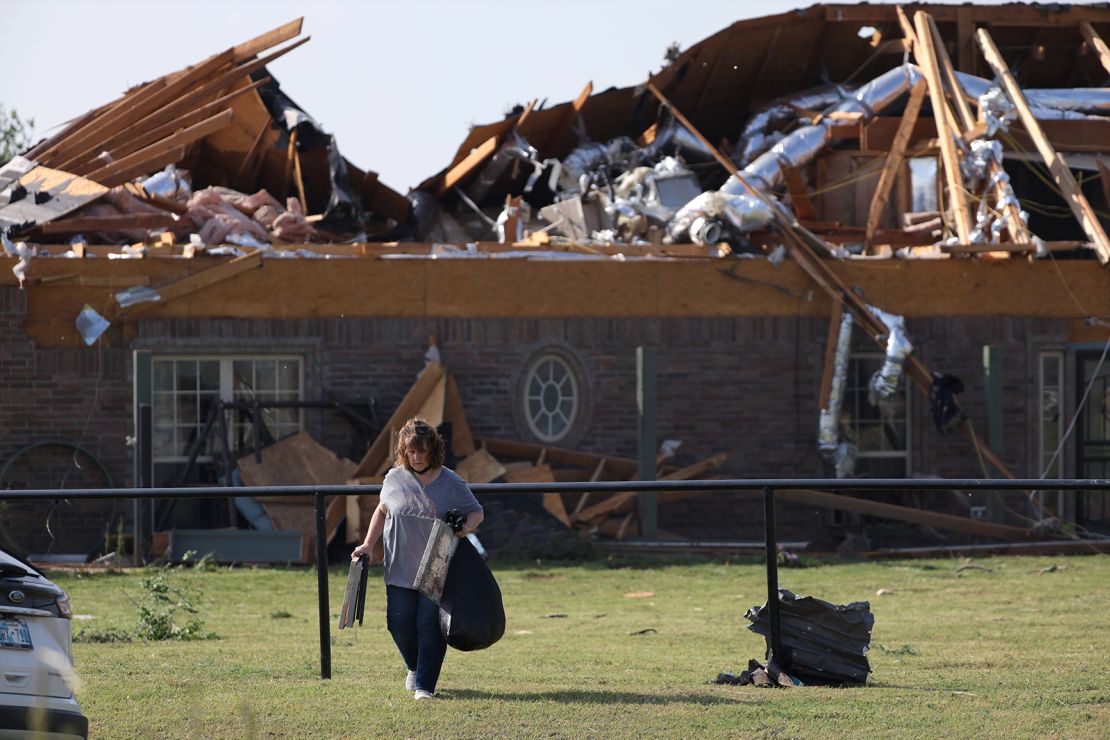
x=422 y=694
x=410 y=681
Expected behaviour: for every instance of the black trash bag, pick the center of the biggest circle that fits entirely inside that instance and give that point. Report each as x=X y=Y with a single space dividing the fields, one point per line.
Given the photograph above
x=471 y=614
x=947 y=415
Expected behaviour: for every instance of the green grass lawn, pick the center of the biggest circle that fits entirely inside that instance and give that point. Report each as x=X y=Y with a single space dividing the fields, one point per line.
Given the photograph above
x=1010 y=651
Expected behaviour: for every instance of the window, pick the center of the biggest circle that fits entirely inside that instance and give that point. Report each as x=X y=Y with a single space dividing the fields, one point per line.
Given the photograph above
x=1051 y=420
x=923 y=184
x=550 y=398
x=186 y=392
x=880 y=433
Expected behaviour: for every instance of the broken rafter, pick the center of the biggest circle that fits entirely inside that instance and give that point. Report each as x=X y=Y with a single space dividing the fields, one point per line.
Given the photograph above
x=824 y=276
x=198 y=281
x=894 y=160
x=379 y=451
x=971 y=129
x=925 y=54
x=1095 y=42
x=1055 y=162
x=569 y=116
x=117 y=172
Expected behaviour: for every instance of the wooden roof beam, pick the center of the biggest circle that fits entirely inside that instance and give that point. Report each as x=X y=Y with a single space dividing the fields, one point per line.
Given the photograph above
x=892 y=165
x=925 y=54
x=1094 y=41
x=1014 y=224
x=1055 y=162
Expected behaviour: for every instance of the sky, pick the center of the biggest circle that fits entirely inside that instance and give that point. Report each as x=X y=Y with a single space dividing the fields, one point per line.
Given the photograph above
x=398 y=83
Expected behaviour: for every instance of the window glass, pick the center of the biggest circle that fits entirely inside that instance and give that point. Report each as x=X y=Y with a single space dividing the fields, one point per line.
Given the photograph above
x=878 y=431
x=550 y=398
x=187 y=391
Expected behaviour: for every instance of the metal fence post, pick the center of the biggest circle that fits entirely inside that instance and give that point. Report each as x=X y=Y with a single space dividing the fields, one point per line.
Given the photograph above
x=322 y=586
x=775 y=649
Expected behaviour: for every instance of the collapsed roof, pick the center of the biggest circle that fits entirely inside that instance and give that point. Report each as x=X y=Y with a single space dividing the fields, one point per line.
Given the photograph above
x=207 y=152
x=806 y=103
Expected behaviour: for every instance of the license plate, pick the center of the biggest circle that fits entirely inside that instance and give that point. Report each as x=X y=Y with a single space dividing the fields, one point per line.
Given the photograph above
x=14 y=633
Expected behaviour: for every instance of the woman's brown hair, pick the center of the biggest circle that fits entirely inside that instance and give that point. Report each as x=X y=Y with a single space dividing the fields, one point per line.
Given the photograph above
x=419 y=435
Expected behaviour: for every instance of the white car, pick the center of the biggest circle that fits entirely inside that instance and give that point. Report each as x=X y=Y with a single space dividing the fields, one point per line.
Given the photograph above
x=36 y=662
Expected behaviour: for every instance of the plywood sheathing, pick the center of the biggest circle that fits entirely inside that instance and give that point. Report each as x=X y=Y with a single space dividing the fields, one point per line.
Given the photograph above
x=353 y=288
x=298 y=460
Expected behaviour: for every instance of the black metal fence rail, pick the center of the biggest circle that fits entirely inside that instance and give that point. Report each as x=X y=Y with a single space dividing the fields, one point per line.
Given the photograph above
x=767 y=485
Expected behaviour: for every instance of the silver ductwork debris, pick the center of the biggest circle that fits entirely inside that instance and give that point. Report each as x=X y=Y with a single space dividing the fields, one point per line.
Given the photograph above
x=839 y=452
x=884 y=383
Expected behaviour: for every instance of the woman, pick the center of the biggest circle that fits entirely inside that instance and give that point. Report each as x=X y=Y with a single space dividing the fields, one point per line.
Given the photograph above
x=416 y=490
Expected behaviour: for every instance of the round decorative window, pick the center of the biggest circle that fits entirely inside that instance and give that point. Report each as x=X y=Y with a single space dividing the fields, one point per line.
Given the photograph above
x=550 y=398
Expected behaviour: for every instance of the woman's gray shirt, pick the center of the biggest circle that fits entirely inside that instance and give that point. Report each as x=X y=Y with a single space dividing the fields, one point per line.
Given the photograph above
x=412 y=507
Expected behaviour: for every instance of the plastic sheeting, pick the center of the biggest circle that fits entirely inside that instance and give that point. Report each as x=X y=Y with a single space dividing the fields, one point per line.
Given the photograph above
x=90 y=325
x=822 y=642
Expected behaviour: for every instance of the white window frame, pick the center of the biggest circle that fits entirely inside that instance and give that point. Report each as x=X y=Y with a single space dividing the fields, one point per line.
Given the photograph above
x=226 y=391
x=527 y=397
x=903 y=388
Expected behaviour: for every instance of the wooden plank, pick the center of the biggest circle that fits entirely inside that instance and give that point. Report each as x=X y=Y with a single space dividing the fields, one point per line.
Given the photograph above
x=836 y=316
x=620 y=467
x=154 y=128
x=1095 y=42
x=115 y=121
x=1055 y=162
x=462 y=441
x=894 y=161
x=431 y=410
x=298 y=179
x=965 y=43
x=796 y=186
x=108 y=223
x=146 y=167
x=967 y=126
x=594 y=476
x=903 y=514
x=471 y=163
x=191 y=284
x=926 y=59
x=1061 y=246
x=624 y=500
x=380 y=449
x=1104 y=178
x=179 y=102
x=268 y=40
x=480 y=467
x=569 y=116
x=109 y=174
x=290 y=156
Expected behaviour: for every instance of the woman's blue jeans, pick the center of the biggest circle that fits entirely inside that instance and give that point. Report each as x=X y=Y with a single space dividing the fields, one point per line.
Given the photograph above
x=413 y=620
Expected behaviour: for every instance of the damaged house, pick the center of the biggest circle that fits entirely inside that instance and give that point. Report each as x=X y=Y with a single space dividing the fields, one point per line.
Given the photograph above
x=864 y=241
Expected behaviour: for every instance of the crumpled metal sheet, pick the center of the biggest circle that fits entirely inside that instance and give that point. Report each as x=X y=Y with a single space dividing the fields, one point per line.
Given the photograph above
x=822 y=642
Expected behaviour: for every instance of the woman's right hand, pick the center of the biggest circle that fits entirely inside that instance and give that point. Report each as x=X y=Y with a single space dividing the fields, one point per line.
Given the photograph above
x=363 y=549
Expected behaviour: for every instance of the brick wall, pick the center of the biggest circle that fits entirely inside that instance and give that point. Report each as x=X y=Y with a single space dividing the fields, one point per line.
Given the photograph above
x=81 y=397
x=745 y=386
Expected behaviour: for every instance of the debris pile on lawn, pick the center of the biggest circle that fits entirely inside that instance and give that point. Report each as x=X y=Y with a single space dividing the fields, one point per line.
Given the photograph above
x=822 y=643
